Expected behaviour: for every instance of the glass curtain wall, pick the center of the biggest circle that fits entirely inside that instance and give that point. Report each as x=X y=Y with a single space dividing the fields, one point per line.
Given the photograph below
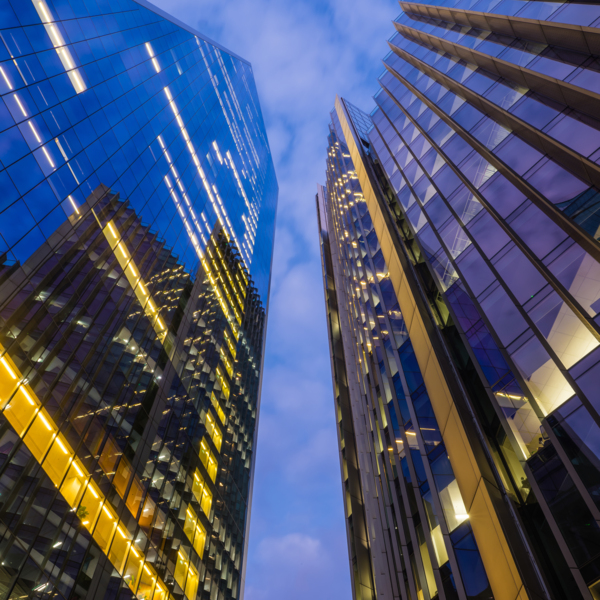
x=479 y=173
x=136 y=234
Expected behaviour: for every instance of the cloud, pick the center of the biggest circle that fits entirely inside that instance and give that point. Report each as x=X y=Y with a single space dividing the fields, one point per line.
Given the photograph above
x=296 y=565
x=303 y=53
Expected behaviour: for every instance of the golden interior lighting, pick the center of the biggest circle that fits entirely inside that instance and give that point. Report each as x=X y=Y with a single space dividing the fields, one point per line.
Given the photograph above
x=226 y=362
x=230 y=345
x=209 y=460
x=223 y=382
x=202 y=493
x=194 y=530
x=186 y=574
x=214 y=431
x=219 y=295
x=217 y=406
x=51 y=449
x=135 y=280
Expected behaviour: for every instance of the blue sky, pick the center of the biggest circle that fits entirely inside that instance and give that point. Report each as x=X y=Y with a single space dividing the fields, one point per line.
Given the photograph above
x=303 y=52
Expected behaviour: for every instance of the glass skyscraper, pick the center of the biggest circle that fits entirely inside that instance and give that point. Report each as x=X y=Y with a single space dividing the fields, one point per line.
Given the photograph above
x=137 y=210
x=459 y=232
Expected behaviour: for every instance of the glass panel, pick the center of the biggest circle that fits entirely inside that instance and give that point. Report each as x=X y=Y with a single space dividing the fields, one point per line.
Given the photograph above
x=546 y=382
x=566 y=333
x=450 y=497
x=580 y=274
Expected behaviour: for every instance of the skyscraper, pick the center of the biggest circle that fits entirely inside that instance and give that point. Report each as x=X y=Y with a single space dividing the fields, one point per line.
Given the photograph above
x=136 y=233
x=459 y=231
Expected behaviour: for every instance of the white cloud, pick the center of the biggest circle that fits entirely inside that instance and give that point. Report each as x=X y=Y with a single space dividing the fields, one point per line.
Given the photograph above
x=311 y=560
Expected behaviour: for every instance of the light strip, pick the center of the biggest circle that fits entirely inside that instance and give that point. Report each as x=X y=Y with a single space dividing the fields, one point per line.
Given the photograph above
x=224 y=220
x=48 y=156
x=20 y=105
x=217 y=151
x=188 y=228
x=8 y=83
x=152 y=58
x=179 y=184
x=73 y=204
x=35 y=133
x=59 y=45
x=64 y=155
x=135 y=280
x=217 y=206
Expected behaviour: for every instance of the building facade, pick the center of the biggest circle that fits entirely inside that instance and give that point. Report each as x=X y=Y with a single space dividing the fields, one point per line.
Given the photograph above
x=136 y=235
x=459 y=231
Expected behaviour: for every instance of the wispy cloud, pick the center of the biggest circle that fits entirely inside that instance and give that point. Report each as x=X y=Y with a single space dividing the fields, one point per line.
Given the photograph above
x=303 y=53
x=299 y=566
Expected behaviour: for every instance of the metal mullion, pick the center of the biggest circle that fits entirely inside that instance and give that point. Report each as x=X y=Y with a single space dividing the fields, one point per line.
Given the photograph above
x=571 y=564
x=435 y=496
x=543 y=142
x=348 y=351
x=427 y=467
x=449 y=371
x=384 y=510
x=528 y=320
x=440 y=513
x=397 y=553
x=586 y=100
x=557 y=216
x=415 y=488
x=542 y=28
x=482 y=314
x=370 y=386
x=581 y=488
x=400 y=532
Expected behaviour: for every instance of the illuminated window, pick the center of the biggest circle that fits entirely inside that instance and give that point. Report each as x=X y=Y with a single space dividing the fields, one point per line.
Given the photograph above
x=208 y=460
x=226 y=362
x=223 y=382
x=218 y=408
x=51 y=449
x=202 y=493
x=186 y=574
x=214 y=431
x=134 y=278
x=194 y=530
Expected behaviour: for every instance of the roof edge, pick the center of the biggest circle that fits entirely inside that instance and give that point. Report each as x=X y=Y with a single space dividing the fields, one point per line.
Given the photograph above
x=166 y=15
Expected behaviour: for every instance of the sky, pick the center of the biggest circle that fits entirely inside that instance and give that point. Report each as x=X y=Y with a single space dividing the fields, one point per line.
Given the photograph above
x=303 y=53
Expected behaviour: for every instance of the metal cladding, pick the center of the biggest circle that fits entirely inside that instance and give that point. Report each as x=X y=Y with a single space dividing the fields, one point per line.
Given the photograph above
x=459 y=231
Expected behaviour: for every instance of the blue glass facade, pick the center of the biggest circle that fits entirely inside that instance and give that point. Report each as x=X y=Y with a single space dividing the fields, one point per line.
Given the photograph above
x=479 y=170
x=114 y=93
x=136 y=234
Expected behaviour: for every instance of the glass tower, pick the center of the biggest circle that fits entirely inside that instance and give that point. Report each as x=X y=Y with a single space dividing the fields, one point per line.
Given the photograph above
x=137 y=211
x=459 y=232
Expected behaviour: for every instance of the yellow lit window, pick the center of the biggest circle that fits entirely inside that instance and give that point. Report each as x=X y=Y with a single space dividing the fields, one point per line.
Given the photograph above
x=40 y=434
x=218 y=408
x=230 y=344
x=202 y=493
x=134 y=278
x=186 y=574
x=226 y=362
x=208 y=460
x=224 y=385
x=214 y=431
x=181 y=568
x=194 y=530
